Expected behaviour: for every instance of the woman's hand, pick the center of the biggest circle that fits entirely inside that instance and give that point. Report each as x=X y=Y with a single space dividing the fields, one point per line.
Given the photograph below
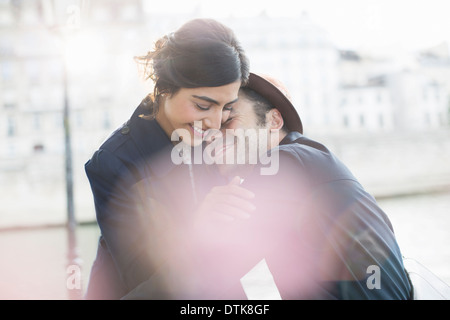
x=227 y=203
x=224 y=210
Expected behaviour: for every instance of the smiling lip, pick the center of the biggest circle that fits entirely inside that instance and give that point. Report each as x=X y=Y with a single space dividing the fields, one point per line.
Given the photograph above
x=197 y=131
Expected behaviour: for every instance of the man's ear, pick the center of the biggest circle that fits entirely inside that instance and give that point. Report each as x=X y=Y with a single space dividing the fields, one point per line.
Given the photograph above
x=274 y=120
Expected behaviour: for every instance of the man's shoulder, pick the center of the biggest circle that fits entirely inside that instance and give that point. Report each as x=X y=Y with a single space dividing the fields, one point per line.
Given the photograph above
x=298 y=143
x=305 y=151
x=314 y=158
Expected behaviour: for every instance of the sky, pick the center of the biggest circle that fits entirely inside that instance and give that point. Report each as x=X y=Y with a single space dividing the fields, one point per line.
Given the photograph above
x=377 y=25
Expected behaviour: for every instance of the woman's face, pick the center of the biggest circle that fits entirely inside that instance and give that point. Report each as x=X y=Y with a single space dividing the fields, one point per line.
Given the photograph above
x=197 y=109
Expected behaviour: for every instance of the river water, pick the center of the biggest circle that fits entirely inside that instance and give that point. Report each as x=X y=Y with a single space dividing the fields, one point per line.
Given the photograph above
x=422 y=227
x=34 y=261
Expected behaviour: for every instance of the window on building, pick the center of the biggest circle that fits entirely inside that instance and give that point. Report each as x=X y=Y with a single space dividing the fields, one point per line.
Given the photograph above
x=6 y=71
x=9 y=105
x=345 y=121
x=425 y=94
x=380 y=121
x=11 y=150
x=33 y=71
x=437 y=93
x=58 y=120
x=360 y=99
x=37 y=121
x=427 y=119
x=362 y=120
x=441 y=118
x=379 y=97
x=11 y=127
x=106 y=120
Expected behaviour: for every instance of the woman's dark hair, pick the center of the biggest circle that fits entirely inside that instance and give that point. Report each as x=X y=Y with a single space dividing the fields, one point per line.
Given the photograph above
x=201 y=53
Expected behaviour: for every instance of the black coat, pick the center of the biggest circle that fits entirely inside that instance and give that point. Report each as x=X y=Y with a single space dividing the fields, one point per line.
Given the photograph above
x=320 y=232
x=328 y=237
x=140 y=196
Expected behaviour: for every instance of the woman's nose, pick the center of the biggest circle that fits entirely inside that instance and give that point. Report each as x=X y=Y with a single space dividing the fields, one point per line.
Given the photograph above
x=214 y=119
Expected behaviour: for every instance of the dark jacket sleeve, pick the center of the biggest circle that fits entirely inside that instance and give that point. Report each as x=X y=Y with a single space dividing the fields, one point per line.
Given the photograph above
x=124 y=217
x=337 y=239
x=215 y=258
x=322 y=235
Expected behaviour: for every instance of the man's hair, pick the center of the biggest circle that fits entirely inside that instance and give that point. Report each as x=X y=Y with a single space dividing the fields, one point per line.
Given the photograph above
x=261 y=106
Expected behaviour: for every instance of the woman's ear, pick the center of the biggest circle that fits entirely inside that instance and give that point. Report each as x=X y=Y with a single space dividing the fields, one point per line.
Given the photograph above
x=275 y=120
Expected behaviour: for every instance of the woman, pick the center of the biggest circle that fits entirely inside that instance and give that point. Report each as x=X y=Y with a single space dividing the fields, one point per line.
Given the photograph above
x=139 y=193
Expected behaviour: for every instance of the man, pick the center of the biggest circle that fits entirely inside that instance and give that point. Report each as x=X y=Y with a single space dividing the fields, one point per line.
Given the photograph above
x=322 y=235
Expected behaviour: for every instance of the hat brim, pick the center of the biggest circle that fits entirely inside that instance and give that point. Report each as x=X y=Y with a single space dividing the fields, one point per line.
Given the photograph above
x=278 y=100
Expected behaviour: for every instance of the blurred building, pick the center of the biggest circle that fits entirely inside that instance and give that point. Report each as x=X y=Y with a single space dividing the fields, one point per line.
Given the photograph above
x=301 y=54
x=96 y=41
x=33 y=48
x=380 y=94
x=335 y=90
x=344 y=91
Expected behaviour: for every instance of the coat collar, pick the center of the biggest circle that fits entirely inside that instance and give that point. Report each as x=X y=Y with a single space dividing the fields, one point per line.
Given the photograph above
x=291 y=137
x=152 y=142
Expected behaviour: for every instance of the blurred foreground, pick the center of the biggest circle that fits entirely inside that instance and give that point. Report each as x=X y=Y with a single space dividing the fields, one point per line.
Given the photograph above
x=34 y=261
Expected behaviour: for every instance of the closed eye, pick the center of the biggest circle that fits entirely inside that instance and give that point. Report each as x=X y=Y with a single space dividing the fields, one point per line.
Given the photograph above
x=227 y=121
x=202 y=107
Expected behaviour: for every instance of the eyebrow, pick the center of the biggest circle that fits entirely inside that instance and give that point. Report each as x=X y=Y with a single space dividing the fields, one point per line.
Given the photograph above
x=210 y=100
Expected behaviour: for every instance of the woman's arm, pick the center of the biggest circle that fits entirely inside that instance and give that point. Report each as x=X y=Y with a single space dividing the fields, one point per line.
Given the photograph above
x=131 y=232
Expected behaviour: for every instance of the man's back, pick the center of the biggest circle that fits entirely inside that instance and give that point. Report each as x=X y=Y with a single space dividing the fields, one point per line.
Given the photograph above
x=327 y=237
